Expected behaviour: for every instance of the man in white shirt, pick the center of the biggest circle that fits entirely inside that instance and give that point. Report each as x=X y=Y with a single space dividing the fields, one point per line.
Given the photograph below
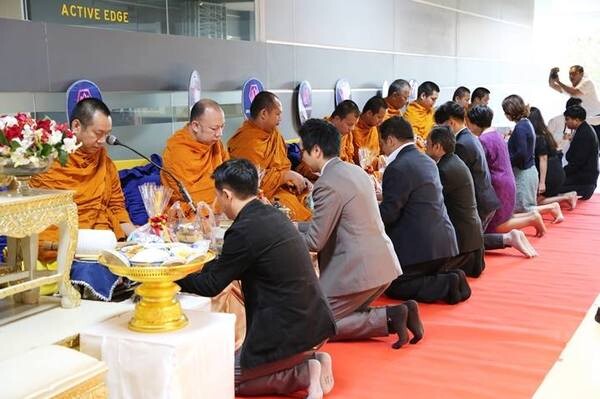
x=582 y=88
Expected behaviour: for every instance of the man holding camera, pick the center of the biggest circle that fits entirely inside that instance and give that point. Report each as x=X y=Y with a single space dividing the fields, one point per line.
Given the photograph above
x=582 y=87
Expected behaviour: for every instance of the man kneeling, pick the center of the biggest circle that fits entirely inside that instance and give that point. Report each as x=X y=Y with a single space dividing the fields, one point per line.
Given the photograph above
x=357 y=261
x=287 y=315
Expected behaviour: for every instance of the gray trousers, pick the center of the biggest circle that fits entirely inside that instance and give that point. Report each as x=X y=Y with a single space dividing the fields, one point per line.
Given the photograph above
x=355 y=319
x=491 y=240
x=276 y=378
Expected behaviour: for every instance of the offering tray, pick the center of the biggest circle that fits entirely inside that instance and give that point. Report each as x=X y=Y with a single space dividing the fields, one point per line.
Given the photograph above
x=159 y=309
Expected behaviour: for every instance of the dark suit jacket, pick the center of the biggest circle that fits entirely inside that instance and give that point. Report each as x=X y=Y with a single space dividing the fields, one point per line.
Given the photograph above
x=286 y=311
x=459 y=198
x=355 y=254
x=583 y=156
x=413 y=209
x=470 y=150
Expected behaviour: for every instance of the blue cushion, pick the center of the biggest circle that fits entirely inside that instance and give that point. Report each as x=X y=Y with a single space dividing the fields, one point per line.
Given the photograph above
x=131 y=179
x=294 y=154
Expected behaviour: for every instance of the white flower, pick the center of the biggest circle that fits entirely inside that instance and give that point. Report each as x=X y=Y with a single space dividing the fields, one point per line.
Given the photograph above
x=70 y=144
x=34 y=161
x=55 y=138
x=26 y=142
x=5 y=150
x=7 y=121
x=18 y=157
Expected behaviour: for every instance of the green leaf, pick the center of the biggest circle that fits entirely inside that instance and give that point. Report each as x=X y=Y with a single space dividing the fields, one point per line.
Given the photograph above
x=46 y=150
x=14 y=145
x=63 y=157
x=3 y=139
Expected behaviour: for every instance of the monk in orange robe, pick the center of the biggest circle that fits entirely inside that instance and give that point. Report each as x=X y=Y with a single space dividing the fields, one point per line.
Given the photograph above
x=259 y=141
x=91 y=174
x=193 y=152
x=419 y=113
x=365 y=133
x=397 y=98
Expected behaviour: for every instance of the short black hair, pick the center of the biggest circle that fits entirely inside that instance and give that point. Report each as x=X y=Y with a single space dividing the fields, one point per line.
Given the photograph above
x=427 y=88
x=460 y=92
x=447 y=110
x=200 y=107
x=575 y=112
x=573 y=101
x=444 y=136
x=238 y=175
x=578 y=68
x=374 y=104
x=396 y=86
x=317 y=132
x=398 y=127
x=85 y=109
x=346 y=108
x=481 y=116
x=479 y=92
x=263 y=100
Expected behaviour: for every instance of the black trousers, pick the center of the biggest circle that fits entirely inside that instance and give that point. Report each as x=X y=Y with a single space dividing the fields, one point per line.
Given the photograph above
x=585 y=191
x=472 y=263
x=424 y=282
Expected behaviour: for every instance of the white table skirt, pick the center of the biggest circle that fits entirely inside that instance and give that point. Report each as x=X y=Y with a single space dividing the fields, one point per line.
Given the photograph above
x=195 y=362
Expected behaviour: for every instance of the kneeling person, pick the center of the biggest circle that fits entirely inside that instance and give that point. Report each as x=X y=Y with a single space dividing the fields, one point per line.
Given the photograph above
x=286 y=312
x=356 y=258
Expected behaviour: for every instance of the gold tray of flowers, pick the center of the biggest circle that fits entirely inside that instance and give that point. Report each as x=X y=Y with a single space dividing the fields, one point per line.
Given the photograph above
x=159 y=309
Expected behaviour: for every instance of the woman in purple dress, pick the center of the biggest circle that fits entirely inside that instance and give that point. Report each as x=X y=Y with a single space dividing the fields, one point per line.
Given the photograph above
x=479 y=121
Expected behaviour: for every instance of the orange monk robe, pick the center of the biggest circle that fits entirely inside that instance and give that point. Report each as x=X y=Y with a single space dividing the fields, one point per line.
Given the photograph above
x=267 y=150
x=98 y=195
x=306 y=171
x=391 y=111
x=364 y=136
x=420 y=118
x=347 y=148
x=192 y=163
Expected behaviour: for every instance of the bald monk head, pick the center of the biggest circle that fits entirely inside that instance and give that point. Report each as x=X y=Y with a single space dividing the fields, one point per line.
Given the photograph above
x=265 y=111
x=374 y=111
x=345 y=116
x=398 y=93
x=91 y=123
x=207 y=121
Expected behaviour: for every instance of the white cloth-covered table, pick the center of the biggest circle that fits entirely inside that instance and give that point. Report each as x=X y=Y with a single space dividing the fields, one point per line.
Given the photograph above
x=194 y=362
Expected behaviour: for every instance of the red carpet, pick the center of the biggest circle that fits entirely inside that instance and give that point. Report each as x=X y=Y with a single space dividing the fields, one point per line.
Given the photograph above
x=502 y=341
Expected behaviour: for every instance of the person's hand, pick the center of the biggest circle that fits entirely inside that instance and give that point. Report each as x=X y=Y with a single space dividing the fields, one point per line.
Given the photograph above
x=542 y=188
x=296 y=180
x=309 y=185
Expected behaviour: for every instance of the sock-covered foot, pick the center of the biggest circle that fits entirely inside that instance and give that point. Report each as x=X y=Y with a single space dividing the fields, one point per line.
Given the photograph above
x=463 y=284
x=314 y=371
x=413 y=321
x=454 y=295
x=397 y=316
x=326 y=371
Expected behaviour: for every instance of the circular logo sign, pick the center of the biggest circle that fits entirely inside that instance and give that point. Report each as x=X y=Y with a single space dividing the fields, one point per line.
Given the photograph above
x=250 y=89
x=342 y=91
x=414 y=86
x=80 y=90
x=304 y=101
x=385 y=86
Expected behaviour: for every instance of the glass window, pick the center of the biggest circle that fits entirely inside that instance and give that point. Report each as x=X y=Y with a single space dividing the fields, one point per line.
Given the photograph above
x=216 y=19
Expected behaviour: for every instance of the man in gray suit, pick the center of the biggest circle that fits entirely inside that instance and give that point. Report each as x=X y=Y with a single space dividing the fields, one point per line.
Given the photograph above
x=356 y=258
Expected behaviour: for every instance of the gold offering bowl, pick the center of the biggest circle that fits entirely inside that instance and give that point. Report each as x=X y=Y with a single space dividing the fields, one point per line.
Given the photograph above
x=159 y=309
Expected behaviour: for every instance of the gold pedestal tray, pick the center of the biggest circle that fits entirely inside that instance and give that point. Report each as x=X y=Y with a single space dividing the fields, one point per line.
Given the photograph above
x=159 y=309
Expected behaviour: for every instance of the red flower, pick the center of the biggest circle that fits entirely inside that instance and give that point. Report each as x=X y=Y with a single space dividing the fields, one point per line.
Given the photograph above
x=13 y=132
x=64 y=129
x=44 y=124
x=22 y=118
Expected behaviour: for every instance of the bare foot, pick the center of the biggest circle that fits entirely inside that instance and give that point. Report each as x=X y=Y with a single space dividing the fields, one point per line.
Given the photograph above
x=538 y=223
x=326 y=379
x=519 y=241
x=314 y=371
x=557 y=213
x=573 y=199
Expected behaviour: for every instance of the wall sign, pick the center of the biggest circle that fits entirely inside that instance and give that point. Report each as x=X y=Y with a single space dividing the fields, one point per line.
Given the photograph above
x=414 y=87
x=194 y=89
x=342 y=91
x=304 y=101
x=385 y=86
x=250 y=89
x=78 y=91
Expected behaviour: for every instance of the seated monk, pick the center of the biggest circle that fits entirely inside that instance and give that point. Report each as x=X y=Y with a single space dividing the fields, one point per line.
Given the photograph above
x=193 y=152
x=91 y=174
x=344 y=118
x=365 y=134
x=419 y=113
x=397 y=98
x=259 y=141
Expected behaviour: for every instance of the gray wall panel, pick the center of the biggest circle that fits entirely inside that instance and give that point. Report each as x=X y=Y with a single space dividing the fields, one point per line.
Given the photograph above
x=281 y=67
x=440 y=70
x=23 y=66
x=279 y=24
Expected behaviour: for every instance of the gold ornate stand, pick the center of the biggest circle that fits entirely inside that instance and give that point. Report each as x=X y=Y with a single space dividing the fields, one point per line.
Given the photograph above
x=24 y=217
x=159 y=309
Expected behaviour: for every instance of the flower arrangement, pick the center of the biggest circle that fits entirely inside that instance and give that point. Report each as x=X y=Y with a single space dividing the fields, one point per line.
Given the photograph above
x=25 y=141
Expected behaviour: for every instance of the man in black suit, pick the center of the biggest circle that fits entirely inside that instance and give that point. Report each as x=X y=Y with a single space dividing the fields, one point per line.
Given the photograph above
x=459 y=198
x=582 y=157
x=286 y=312
x=415 y=218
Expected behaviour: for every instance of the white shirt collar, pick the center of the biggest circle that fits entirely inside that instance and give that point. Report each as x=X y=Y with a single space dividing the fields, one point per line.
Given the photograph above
x=395 y=153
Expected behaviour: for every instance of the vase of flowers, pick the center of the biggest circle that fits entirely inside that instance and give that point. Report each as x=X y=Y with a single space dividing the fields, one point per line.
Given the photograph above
x=28 y=147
